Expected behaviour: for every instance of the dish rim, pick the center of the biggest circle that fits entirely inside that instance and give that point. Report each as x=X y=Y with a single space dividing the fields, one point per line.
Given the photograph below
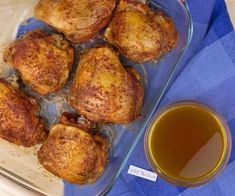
x=162 y=93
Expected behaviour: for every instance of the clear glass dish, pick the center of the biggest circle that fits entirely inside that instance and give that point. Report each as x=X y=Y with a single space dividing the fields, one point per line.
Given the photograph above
x=20 y=165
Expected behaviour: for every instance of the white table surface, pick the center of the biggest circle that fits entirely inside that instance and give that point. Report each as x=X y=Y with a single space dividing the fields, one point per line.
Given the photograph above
x=231 y=10
x=8 y=188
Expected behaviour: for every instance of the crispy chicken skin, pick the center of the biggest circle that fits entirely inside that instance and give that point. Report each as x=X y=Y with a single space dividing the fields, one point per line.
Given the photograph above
x=79 y=20
x=19 y=122
x=103 y=90
x=140 y=33
x=73 y=154
x=44 y=60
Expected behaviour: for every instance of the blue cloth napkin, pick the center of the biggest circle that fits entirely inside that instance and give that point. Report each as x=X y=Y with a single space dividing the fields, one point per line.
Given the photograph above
x=207 y=74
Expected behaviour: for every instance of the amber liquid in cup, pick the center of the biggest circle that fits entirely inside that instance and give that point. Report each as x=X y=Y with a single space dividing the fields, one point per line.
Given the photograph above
x=187 y=143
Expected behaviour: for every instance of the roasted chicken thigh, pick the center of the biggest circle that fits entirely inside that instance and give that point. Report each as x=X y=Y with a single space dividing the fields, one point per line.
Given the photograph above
x=43 y=60
x=140 y=33
x=19 y=122
x=103 y=90
x=79 y=20
x=73 y=154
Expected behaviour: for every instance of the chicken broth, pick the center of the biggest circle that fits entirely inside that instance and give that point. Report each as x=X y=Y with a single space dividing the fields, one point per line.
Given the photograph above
x=187 y=143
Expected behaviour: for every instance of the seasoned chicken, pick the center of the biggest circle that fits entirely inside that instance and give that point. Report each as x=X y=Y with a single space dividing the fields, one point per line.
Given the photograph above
x=44 y=60
x=79 y=20
x=103 y=90
x=140 y=33
x=73 y=154
x=19 y=122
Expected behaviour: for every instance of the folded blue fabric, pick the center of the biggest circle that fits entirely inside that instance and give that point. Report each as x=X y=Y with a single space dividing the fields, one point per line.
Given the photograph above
x=207 y=74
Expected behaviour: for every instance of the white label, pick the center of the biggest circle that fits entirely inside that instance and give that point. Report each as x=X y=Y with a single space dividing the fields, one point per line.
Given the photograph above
x=136 y=171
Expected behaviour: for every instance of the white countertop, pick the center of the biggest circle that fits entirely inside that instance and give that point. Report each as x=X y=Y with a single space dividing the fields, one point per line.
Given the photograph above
x=231 y=10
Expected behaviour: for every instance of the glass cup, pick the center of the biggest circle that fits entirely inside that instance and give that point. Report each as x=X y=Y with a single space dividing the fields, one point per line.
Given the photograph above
x=226 y=147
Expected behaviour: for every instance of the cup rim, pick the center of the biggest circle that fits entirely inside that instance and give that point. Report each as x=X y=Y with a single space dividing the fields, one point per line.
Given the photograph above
x=226 y=154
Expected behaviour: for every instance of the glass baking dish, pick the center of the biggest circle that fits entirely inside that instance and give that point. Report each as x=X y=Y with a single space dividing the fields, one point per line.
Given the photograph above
x=21 y=166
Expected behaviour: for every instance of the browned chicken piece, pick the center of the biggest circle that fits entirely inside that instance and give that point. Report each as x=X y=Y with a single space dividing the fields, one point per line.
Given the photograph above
x=19 y=122
x=140 y=33
x=73 y=154
x=44 y=60
x=79 y=20
x=103 y=90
